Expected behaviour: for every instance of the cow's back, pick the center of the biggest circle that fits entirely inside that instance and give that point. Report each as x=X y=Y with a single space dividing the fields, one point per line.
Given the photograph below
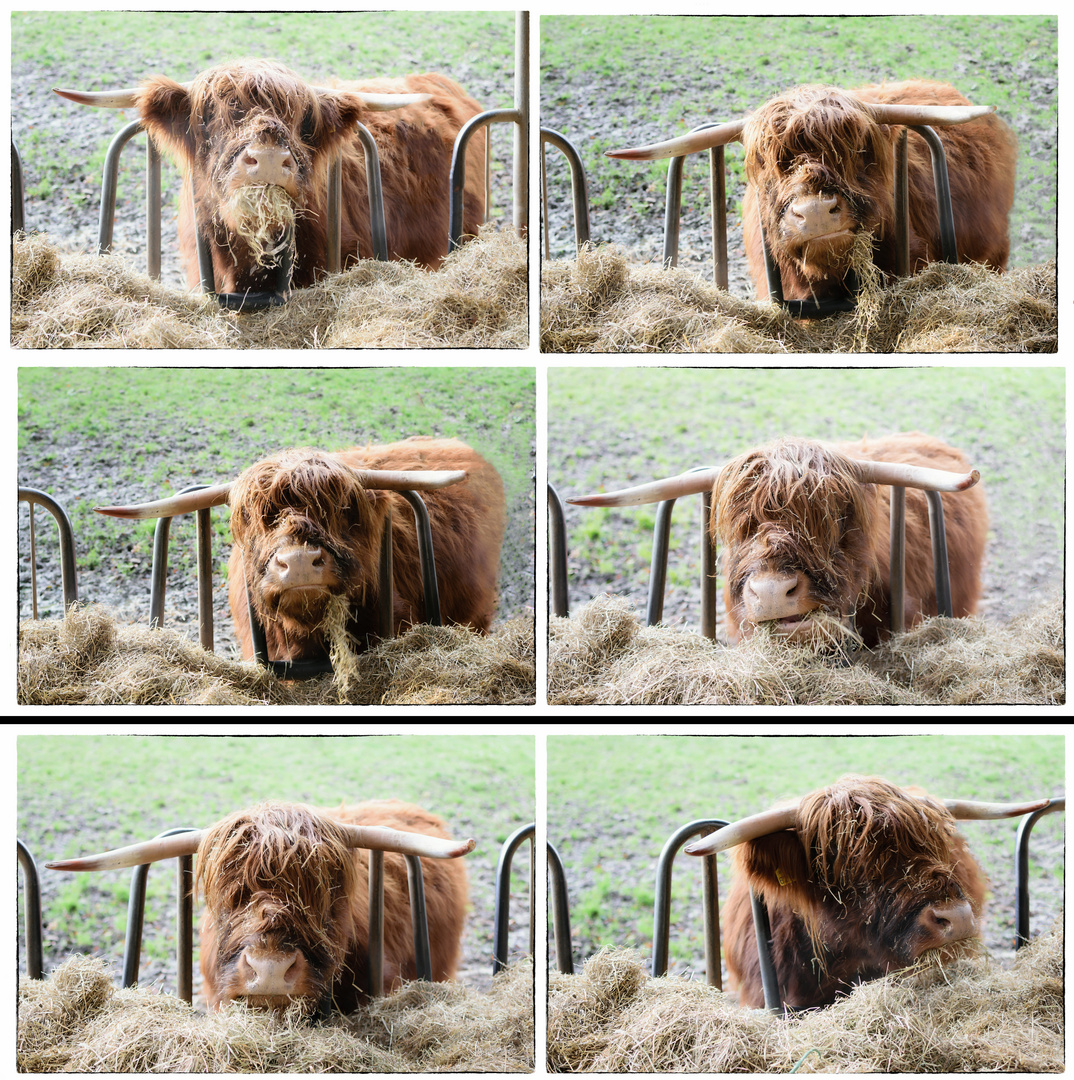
x=981 y=158
x=446 y=895
x=966 y=527
x=467 y=522
x=415 y=146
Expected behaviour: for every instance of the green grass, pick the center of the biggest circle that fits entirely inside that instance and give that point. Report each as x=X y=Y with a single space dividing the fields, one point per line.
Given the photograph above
x=220 y=420
x=746 y=60
x=611 y=831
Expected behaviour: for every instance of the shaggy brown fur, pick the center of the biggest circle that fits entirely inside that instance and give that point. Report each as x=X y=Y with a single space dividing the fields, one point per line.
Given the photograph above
x=236 y=105
x=279 y=877
x=308 y=497
x=845 y=889
x=817 y=139
x=797 y=506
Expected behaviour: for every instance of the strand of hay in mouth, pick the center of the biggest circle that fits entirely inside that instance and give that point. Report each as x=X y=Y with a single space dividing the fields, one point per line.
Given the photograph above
x=262 y=215
x=963 y=1015
x=602 y=655
x=600 y=302
x=76 y=1021
x=87 y=659
x=477 y=299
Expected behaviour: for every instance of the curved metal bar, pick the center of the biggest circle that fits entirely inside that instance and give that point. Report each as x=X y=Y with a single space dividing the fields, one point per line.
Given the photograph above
x=158 y=579
x=897 y=588
x=68 y=562
x=132 y=947
x=377 y=227
x=658 y=563
x=662 y=903
x=763 y=932
x=32 y=899
x=561 y=913
x=709 y=588
x=458 y=164
x=110 y=182
x=18 y=197
x=426 y=556
x=1021 y=855
x=503 y=893
x=376 y=923
x=579 y=184
x=948 y=244
x=902 y=206
x=418 y=919
x=940 y=567
x=673 y=211
x=557 y=554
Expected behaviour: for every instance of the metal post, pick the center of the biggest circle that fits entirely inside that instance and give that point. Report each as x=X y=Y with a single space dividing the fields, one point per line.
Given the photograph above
x=940 y=567
x=32 y=899
x=557 y=554
x=419 y=922
x=522 y=127
x=662 y=903
x=68 y=562
x=708 y=569
x=717 y=189
x=658 y=563
x=1021 y=855
x=763 y=932
x=376 y=923
x=503 y=893
x=561 y=914
x=579 y=187
x=897 y=614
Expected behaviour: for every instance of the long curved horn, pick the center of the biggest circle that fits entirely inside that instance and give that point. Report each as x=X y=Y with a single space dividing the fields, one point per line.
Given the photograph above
x=102 y=99
x=673 y=487
x=704 y=139
x=937 y=115
x=915 y=476
x=783 y=817
x=165 y=847
x=415 y=480
x=983 y=811
x=203 y=498
x=381 y=838
x=170 y=507
x=386 y=102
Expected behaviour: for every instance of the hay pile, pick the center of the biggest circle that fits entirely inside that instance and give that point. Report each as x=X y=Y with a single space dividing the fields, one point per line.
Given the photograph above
x=87 y=659
x=600 y=303
x=76 y=1021
x=477 y=299
x=940 y=1016
x=603 y=655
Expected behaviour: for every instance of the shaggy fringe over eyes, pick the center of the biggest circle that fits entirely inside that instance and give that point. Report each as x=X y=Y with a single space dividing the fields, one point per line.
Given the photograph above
x=861 y=831
x=256 y=85
x=817 y=122
x=290 y=852
x=311 y=482
x=817 y=511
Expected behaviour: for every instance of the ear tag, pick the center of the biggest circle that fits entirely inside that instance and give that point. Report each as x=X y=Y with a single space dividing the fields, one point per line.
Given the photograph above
x=782 y=879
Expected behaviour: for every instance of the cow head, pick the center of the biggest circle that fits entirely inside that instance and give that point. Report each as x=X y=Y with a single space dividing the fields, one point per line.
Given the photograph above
x=255 y=140
x=877 y=874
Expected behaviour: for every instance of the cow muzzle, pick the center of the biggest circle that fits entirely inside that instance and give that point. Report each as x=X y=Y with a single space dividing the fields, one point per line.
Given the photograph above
x=944 y=924
x=776 y=596
x=270 y=977
x=300 y=568
x=265 y=164
x=814 y=217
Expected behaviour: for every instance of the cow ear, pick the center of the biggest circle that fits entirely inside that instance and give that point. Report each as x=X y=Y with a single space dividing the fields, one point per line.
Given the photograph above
x=165 y=109
x=339 y=112
x=777 y=868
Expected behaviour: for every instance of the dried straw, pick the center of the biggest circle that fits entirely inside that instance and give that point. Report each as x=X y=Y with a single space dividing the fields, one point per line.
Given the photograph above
x=477 y=299
x=86 y=659
x=602 y=655
x=966 y=1015
x=75 y=1021
x=601 y=302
